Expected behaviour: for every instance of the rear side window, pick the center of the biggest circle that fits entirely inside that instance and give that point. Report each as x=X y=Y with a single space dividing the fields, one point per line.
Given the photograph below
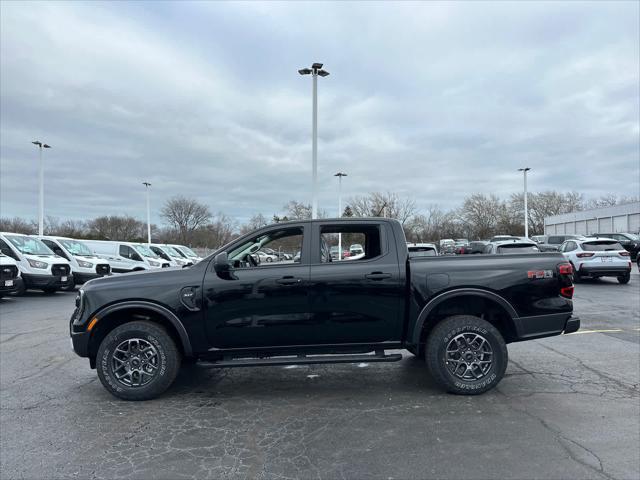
x=601 y=246
x=517 y=248
x=358 y=242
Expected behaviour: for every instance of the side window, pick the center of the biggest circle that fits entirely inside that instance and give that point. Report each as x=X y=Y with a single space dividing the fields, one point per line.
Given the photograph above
x=275 y=247
x=349 y=243
x=6 y=249
x=125 y=251
x=55 y=248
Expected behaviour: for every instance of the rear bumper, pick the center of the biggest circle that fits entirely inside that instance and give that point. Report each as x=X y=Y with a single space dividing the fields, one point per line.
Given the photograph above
x=46 y=281
x=540 y=326
x=605 y=270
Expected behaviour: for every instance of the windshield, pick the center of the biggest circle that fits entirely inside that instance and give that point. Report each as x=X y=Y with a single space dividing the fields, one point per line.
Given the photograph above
x=29 y=245
x=145 y=251
x=601 y=246
x=172 y=252
x=75 y=247
x=633 y=236
x=187 y=251
x=518 y=248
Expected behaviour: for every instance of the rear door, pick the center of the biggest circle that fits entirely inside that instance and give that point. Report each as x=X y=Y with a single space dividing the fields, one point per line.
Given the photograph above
x=361 y=300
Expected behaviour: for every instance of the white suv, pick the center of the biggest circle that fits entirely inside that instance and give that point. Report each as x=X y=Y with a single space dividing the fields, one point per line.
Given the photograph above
x=597 y=257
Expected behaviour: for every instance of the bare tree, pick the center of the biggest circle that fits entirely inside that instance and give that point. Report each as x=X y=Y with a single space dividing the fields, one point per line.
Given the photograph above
x=185 y=215
x=114 y=227
x=383 y=204
x=256 y=221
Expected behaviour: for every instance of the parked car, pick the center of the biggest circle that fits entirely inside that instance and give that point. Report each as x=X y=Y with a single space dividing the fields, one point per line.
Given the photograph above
x=539 y=238
x=229 y=312
x=597 y=257
x=511 y=247
x=554 y=241
x=355 y=252
x=477 y=246
x=500 y=238
x=126 y=257
x=85 y=265
x=265 y=257
x=10 y=279
x=630 y=241
x=186 y=252
x=40 y=268
x=170 y=254
x=422 y=250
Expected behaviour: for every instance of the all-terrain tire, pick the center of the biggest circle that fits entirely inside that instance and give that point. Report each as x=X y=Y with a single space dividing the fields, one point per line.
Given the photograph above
x=446 y=369
x=167 y=360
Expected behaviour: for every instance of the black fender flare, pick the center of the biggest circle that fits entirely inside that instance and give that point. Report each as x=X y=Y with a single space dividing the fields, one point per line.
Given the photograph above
x=434 y=302
x=165 y=312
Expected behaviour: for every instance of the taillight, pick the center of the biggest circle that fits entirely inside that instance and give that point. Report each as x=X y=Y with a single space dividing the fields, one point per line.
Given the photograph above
x=585 y=254
x=567 y=292
x=624 y=254
x=565 y=269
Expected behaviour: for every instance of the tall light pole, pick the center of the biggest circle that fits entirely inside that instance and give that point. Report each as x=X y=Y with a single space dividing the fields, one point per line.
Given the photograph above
x=40 y=146
x=147 y=185
x=340 y=175
x=314 y=71
x=526 y=212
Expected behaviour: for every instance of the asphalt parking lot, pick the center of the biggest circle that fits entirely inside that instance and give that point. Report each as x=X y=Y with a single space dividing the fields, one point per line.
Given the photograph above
x=569 y=407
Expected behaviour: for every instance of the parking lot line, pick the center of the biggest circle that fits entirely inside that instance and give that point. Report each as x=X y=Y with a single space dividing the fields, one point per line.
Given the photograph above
x=612 y=330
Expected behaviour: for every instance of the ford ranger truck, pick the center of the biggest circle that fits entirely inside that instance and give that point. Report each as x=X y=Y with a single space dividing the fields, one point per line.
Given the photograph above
x=458 y=313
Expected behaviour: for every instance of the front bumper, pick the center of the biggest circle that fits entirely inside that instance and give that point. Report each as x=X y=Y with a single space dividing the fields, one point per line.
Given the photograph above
x=18 y=284
x=540 y=326
x=79 y=278
x=46 y=281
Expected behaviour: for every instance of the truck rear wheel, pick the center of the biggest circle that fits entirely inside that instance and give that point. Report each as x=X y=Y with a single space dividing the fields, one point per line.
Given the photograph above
x=466 y=355
x=137 y=361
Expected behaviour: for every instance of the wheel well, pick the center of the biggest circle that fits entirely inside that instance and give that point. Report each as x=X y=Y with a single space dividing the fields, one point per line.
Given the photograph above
x=120 y=317
x=475 y=305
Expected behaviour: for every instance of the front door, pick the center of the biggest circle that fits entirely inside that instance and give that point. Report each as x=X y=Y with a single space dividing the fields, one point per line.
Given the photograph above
x=262 y=301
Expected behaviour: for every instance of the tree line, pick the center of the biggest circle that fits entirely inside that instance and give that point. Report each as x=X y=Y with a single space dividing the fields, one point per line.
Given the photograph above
x=189 y=222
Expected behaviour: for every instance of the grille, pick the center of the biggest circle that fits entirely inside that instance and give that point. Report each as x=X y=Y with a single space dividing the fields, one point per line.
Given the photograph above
x=59 y=270
x=8 y=271
x=103 y=269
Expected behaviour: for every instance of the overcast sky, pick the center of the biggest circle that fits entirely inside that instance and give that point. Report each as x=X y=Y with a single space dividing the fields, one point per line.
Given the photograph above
x=431 y=100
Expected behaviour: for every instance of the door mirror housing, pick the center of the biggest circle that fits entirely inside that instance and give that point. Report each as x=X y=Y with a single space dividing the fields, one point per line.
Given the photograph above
x=221 y=263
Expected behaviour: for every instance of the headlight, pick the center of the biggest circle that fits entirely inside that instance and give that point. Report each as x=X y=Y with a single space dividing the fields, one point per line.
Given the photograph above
x=154 y=264
x=37 y=263
x=83 y=264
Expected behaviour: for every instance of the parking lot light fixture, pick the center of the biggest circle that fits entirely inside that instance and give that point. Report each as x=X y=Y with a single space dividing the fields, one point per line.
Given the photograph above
x=40 y=146
x=147 y=185
x=314 y=71
x=526 y=214
x=340 y=175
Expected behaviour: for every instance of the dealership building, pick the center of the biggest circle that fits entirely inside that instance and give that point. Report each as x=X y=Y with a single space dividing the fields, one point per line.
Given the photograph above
x=619 y=218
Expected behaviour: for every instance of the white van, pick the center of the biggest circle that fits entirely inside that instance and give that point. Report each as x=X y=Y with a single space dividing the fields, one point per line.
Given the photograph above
x=171 y=254
x=10 y=280
x=186 y=252
x=85 y=265
x=126 y=256
x=39 y=267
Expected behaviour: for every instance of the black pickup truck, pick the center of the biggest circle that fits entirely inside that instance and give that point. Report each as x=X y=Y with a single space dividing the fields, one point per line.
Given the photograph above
x=231 y=310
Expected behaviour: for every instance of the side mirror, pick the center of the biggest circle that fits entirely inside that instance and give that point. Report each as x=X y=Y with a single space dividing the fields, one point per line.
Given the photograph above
x=221 y=263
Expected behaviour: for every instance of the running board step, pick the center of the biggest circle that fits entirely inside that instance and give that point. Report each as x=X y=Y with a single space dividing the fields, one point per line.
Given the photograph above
x=300 y=360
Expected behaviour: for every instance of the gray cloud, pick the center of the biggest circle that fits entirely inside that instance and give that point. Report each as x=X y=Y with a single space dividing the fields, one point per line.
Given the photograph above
x=434 y=100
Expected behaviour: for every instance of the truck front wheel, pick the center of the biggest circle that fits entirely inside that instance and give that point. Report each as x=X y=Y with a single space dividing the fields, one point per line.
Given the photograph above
x=137 y=361
x=466 y=355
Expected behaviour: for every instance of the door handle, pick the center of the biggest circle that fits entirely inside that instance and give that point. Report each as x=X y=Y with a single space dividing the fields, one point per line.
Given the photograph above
x=289 y=280
x=377 y=276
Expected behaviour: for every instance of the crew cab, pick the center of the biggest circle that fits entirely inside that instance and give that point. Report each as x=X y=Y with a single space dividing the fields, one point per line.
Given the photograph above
x=230 y=310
